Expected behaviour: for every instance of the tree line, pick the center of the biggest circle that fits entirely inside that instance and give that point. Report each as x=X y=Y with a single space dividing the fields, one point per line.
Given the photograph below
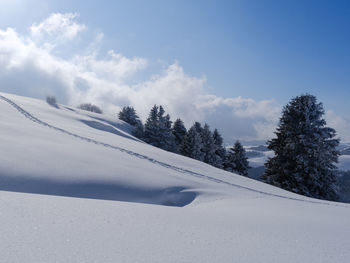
x=305 y=148
x=198 y=142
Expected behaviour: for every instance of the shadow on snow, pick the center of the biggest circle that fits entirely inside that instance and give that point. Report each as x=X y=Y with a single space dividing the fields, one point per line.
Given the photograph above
x=172 y=196
x=103 y=127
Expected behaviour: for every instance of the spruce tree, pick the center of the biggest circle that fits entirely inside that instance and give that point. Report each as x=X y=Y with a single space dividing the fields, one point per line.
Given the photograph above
x=237 y=160
x=128 y=114
x=192 y=145
x=152 y=132
x=138 y=130
x=179 y=131
x=161 y=127
x=158 y=130
x=208 y=147
x=198 y=127
x=90 y=107
x=167 y=137
x=220 y=150
x=305 y=151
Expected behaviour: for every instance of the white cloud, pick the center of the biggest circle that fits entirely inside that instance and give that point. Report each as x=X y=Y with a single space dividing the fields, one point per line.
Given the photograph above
x=114 y=67
x=242 y=107
x=58 y=25
x=30 y=68
x=174 y=89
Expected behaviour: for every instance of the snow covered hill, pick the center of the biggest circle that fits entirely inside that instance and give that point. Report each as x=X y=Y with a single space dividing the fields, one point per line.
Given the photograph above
x=77 y=187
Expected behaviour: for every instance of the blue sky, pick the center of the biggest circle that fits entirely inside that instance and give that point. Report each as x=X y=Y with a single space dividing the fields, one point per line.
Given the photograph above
x=257 y=50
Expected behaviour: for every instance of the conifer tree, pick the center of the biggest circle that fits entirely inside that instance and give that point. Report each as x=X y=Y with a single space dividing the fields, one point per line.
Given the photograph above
x=208 y=147
x=138 y=131
x=90 y=107
x=158 y=129
x=179 y=131
x=220 y=150
x=305 y=151
x=161 y=127
x=161 y=112
x=128 y=114
x=198 y=127
x=167 y=137
x=192 y=145
x=152 y=132
x=236 y=160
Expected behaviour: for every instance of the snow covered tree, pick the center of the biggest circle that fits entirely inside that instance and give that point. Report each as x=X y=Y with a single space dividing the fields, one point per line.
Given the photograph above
x=208 y=147
x=198 y=127
x=152 y=132
x=138 y=130
x=158 y=130
x=192 y=145
x=236 y=160
x=90 y=107
x=179 y=131
x=128 y=114
x=167 y=138
x=220 y=150
x=51 y=100
x=305 y=151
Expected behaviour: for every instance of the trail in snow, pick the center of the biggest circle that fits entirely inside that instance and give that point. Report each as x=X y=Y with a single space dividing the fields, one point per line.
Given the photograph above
x=163 y=164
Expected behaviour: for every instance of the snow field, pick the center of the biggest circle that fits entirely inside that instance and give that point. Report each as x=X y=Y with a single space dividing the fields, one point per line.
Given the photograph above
x=77 y=187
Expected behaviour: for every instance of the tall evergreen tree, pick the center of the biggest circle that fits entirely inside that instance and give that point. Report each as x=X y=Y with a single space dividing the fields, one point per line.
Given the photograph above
x=167 y=137
x=158 y=129
x=161 y=127
x=161 y=112
x=179 y=131
x=305 y=151
x=208 y=147
x=128 y=114
x=152 y=132
x=198 y=127
x=220 y=150
x=192 y=145
x=236 y=160
x=138 y=131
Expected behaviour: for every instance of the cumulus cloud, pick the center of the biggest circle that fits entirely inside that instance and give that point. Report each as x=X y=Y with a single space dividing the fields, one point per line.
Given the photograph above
x=239 y=117
x=28 y=66
x=114 y=67
x=58 y=25
x=172 y=88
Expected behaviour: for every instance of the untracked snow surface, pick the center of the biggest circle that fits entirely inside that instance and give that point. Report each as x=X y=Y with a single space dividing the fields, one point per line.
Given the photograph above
x=77 y=187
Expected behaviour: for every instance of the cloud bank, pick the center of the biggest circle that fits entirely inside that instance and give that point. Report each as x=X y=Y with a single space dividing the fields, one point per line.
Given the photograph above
x=30 y=66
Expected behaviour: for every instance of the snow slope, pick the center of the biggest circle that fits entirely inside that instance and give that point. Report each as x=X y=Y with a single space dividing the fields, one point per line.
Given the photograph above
x=77 y=187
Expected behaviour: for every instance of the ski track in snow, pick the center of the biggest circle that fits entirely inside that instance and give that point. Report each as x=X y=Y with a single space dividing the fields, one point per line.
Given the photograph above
x=140 y=156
